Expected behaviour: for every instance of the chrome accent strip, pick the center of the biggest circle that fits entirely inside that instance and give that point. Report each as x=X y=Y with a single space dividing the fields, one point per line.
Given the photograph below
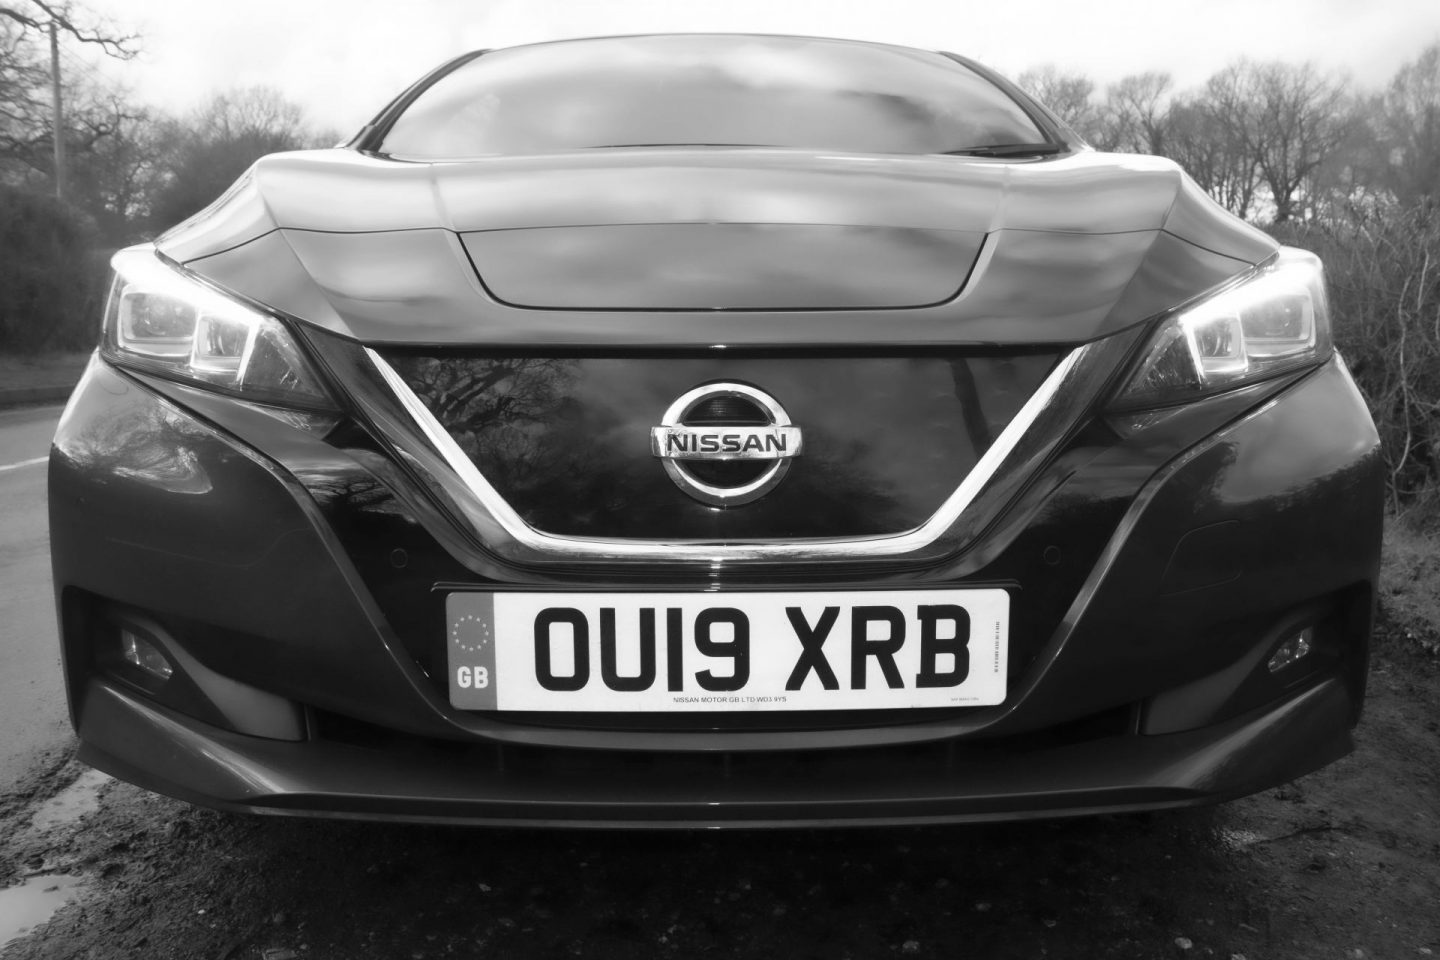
x=553 y=547
x=445 y=444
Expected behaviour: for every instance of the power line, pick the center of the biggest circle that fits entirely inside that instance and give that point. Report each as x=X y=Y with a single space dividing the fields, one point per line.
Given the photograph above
x=74 y=63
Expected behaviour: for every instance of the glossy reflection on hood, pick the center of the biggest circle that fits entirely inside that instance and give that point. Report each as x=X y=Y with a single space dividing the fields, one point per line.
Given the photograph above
x=726 y=266
x=736 y=247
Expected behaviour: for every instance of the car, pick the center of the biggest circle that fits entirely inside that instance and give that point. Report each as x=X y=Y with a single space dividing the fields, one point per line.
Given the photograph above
x=714 y=430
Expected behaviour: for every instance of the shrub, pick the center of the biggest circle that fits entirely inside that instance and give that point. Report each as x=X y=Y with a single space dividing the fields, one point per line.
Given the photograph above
x=1384 y=275
x=51 y=277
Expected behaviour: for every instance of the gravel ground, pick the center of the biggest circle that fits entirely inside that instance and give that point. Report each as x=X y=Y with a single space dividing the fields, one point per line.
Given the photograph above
x=1344 y=863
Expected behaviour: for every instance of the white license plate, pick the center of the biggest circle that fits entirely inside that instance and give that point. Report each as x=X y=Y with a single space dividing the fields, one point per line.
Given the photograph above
x=649 y=652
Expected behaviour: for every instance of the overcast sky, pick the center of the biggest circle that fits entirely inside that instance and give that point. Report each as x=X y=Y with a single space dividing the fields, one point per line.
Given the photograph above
x=343 y=59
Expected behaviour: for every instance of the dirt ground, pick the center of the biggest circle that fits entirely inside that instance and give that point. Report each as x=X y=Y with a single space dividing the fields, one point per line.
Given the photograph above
x=1344 y=863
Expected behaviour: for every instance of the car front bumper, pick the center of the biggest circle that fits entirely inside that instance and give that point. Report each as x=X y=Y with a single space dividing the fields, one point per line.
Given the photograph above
x=424 y=782
x=299 y=585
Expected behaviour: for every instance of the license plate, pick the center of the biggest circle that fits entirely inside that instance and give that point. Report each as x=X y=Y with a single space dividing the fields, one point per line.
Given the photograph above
x=639 y=652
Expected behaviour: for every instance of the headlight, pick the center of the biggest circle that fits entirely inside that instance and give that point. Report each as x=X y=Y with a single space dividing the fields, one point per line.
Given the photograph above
x=165 y=321
x=1274 y=320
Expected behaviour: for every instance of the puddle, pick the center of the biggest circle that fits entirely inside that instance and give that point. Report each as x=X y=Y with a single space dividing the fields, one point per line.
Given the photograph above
x=72 y=803
x=32 y=902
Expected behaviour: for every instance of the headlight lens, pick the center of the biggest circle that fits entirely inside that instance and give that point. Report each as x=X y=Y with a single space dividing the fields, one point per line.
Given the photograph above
x=1274 y=320
x=161 y=319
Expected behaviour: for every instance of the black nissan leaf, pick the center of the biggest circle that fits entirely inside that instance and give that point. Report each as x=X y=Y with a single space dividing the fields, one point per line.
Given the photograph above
x=714 y=430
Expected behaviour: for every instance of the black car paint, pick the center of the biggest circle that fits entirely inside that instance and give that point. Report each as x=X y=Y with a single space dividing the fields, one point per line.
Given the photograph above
x=379 y=254
x=308 y=499
x=210 y=508
x=306 y=570
x=722 y=266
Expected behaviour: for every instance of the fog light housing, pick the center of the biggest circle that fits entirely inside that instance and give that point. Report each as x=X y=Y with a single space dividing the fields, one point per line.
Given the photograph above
x=1292 y=650
x=141 y=653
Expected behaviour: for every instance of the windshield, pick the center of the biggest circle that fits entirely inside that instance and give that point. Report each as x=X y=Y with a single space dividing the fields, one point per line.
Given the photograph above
x=707 y=90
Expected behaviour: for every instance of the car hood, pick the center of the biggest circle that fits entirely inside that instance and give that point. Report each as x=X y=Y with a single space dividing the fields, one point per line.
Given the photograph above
x=704 y=247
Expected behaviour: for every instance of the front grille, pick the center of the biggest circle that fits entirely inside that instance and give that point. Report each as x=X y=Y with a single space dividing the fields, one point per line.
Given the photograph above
x=565 y=440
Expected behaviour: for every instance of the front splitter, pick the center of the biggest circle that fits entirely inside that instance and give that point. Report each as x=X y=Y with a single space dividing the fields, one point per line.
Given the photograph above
x=175 y=755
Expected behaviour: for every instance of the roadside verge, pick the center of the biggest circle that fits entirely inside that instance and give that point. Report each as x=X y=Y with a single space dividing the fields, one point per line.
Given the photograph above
x=45 y=378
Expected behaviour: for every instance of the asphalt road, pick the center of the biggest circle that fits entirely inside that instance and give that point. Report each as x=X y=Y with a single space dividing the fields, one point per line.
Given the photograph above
x=32 y=700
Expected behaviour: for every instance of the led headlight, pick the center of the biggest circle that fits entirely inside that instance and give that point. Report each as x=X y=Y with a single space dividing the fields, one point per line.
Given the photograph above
x=166 y=321
x=1274 y=320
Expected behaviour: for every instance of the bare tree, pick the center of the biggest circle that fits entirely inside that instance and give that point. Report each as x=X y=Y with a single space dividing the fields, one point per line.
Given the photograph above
x=1409 y=113
x=1207 y=136
x=27 y=134
x=1353 y=184
x=1225 y=113
x=1302 y=118
x=24 y=110
x=36 y=16
x=202 y=154
x=260 y=114
x=106 y=141
x=1068 y=94
x=114 y=176
x=1261 y=132
x=1135 y=116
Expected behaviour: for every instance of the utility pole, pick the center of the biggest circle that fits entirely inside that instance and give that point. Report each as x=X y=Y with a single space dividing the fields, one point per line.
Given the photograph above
x=57 y=115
